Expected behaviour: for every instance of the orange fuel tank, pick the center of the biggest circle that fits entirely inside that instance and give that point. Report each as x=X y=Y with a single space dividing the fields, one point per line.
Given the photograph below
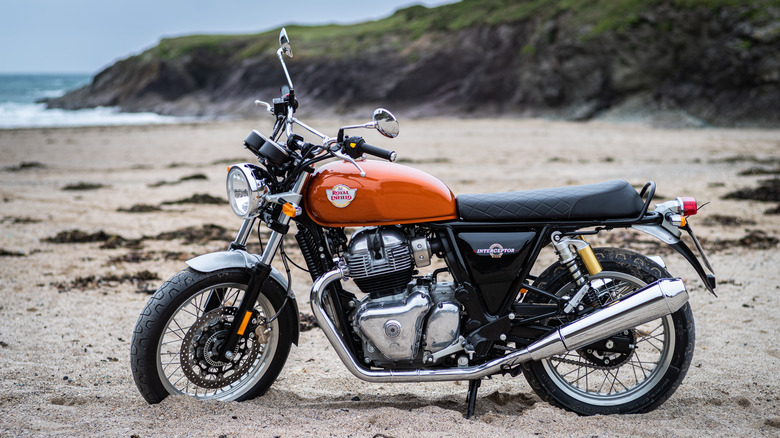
x=337 y=196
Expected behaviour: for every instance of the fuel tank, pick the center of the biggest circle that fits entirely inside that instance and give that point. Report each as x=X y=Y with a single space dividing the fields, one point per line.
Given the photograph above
x=337 y=196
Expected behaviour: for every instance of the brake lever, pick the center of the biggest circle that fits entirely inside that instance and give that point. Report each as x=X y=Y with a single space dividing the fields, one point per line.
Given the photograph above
x=346 y=157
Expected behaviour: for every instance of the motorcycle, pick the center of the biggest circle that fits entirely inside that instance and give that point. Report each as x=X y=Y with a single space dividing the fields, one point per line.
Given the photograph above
x=600 y=331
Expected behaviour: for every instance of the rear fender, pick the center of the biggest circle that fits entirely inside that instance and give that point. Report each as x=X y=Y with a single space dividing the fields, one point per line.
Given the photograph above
x=241 y=259
x=675 y=242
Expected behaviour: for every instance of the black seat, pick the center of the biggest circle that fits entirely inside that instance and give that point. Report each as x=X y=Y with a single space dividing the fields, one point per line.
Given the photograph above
x=614 y=199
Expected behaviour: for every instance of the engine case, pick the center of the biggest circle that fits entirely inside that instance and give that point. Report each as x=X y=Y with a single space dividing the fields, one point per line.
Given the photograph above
x=443 y=326
x=394 y=329
x=393 y=325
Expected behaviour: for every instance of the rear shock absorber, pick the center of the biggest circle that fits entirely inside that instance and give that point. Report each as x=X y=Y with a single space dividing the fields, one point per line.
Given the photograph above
x=563 y=247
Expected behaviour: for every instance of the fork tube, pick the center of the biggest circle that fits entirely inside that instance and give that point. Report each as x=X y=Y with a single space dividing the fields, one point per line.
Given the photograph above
x=244 y=232
x=273 y=242
x=276 y=237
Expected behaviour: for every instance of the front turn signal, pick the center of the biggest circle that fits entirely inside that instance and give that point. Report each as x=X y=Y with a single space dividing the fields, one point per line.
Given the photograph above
x=291 y=209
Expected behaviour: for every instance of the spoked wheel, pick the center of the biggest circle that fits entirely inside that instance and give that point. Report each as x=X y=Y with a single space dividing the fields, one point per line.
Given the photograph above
x=632 y=371
x=179 y=336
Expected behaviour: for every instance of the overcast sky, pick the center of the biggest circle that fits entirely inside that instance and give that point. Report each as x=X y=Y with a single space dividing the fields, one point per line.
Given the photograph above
x=85 y=36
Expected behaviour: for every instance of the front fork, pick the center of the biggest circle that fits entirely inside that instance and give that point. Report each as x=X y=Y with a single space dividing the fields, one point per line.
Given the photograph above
x=260 y=271
x=563 y=247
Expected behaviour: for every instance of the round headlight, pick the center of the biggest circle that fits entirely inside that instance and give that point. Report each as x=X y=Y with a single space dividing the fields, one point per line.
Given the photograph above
x=244 y=191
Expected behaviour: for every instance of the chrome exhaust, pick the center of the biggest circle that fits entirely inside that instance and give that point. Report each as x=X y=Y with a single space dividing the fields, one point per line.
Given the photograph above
x=651 y=302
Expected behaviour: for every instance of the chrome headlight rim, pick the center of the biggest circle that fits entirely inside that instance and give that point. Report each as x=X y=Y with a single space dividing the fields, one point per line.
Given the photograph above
x=254 y=191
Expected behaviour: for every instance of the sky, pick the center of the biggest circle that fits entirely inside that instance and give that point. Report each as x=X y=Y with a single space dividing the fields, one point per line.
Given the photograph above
x=85 y=36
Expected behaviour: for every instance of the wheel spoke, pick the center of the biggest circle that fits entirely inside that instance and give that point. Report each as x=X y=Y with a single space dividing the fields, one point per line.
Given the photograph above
x=606 y=378
x=178 y=330
x=650 y=341
x=192 y=323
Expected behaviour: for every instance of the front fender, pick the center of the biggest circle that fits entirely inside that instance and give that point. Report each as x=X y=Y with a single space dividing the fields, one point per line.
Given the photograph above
x=675 y=242
x=233 y=259
x=241 y=259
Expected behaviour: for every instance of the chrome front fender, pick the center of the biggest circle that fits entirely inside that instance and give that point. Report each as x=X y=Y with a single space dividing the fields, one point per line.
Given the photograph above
x=233 y=259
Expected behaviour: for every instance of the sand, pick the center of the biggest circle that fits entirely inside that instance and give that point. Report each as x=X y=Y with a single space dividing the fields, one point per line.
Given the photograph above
x=67 y=311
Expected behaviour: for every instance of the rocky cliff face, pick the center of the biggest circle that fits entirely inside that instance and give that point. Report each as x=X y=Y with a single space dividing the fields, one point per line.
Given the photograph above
x=716 y=65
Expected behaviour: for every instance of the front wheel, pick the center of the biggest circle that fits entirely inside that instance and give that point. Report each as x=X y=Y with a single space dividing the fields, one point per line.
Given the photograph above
x=629 y=372
x=176 y=343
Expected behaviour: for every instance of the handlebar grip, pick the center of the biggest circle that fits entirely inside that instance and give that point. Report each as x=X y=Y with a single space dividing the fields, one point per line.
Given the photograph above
x=379 y=152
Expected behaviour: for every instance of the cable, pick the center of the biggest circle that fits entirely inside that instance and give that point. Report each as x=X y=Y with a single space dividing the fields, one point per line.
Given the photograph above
x=294 y=264
x=289 y=283
x=259 y=239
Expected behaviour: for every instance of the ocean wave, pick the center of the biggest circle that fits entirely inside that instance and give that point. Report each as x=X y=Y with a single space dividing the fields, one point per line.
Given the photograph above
x=35 y=115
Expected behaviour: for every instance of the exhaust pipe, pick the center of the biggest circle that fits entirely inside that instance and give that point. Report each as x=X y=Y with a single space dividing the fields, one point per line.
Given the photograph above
x=651 y=302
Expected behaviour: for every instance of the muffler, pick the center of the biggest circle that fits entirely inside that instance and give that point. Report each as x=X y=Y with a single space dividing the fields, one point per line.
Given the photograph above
x=651 y=302
x=644 y=305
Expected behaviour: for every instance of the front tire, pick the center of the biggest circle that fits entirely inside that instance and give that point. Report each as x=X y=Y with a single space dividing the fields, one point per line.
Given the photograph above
x=179 y=332
x=592 y=381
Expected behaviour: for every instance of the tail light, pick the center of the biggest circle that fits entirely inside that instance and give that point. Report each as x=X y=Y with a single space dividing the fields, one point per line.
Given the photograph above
x=688 y=205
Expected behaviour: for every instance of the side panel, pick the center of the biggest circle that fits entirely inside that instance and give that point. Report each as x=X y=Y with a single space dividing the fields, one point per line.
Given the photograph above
x=494 y=259
x=337 y=196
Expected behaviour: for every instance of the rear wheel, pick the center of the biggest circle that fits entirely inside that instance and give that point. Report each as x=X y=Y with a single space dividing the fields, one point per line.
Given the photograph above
x=632 y=371
x=176 y=343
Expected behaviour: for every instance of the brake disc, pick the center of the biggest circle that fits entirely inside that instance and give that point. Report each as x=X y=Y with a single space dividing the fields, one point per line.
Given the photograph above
x=199 y=353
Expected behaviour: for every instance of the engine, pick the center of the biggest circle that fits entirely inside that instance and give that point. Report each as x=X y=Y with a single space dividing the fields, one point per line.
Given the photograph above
x=400 y=317
x=380 y=261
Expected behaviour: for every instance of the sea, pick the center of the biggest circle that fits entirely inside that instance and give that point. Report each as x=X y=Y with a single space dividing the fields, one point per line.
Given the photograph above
x=19 y=107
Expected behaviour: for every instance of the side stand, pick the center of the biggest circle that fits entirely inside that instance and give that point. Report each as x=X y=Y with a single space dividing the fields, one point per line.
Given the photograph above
x=471 y=397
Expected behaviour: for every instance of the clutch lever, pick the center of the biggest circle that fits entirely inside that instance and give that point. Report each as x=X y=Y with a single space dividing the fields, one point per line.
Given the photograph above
x=346 y=157
x=266 y=104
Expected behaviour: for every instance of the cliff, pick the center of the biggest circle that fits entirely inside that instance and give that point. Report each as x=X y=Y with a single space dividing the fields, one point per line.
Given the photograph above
x=710 y=61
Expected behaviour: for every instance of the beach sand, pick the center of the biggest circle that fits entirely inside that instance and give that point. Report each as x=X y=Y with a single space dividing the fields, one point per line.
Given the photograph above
x=67 y=310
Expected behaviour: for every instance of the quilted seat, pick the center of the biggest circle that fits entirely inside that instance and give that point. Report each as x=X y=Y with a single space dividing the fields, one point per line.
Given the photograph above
x=614 y=199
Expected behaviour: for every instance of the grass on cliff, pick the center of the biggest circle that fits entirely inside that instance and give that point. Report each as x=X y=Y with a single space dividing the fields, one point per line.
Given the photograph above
x=407 y=25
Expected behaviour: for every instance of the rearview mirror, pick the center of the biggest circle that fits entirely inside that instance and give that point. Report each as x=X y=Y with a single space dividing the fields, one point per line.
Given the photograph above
x=386 y=123
x=284 y=43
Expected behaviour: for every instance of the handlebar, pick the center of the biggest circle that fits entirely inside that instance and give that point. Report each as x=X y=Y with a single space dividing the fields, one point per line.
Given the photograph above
x=379 y=152
x=355 y=147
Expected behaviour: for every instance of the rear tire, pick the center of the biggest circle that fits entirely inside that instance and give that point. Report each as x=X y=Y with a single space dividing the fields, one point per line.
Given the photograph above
x=178 y=332
x=590 y=381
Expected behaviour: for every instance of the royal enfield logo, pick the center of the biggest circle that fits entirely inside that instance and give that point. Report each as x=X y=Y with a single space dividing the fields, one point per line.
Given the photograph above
x=495 y=251
x=340 y=195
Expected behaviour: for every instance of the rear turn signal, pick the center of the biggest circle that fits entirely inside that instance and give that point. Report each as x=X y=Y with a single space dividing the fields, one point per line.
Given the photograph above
x=677 y=220
x=688 y=205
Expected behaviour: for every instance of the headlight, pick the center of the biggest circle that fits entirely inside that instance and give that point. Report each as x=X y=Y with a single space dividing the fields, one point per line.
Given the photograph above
x=244 y=191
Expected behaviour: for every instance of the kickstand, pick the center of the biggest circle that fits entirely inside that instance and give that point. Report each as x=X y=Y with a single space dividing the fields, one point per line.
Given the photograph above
x=471 y=397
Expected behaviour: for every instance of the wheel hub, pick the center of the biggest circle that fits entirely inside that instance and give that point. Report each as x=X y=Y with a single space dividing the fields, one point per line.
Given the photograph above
x=212 y=346
x=611 y=352
x=199 y=354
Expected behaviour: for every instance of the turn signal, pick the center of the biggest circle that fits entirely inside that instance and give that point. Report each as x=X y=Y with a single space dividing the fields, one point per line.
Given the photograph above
x=688 y=205
x=677 y=220
x=291 y=209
